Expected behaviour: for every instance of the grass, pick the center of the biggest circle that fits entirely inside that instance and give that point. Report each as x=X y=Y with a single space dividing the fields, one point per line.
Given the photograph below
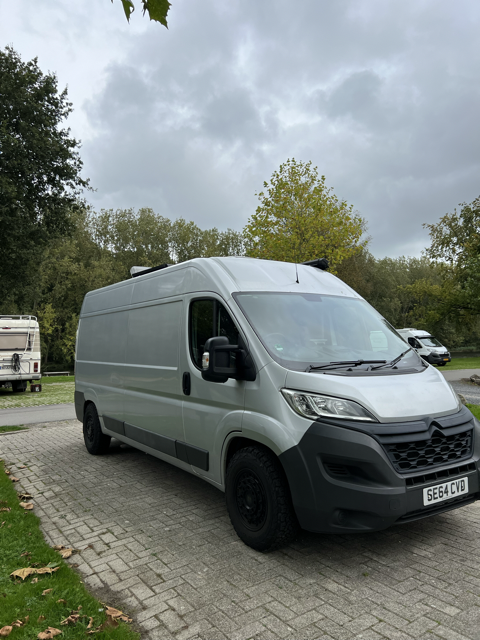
x=52 y=379
x=461 y=363
x=6 y=428
x=23 y=545
x=475 y=409
x=59 y=393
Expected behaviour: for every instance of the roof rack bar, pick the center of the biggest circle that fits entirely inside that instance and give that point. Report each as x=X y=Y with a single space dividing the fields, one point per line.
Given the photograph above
x=318 y=263
x=151 y=270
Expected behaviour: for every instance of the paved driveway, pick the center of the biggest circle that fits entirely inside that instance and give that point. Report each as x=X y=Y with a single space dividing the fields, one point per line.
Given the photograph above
x=161 y=538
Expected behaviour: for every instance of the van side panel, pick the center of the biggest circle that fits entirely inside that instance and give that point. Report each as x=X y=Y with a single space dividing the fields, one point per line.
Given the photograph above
x=153 y=389
x=100 y=356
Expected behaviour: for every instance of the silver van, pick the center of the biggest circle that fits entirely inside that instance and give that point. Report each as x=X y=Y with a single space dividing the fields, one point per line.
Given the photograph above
x=279 y=385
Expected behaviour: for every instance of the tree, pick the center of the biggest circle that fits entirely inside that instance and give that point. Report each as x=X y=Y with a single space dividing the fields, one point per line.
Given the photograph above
x=157 y=9
x=40 y=167
x=299 y=218
x=455 y=246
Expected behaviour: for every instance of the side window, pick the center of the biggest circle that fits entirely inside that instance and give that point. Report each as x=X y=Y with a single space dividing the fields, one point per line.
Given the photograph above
x=209 y=318
x=414 y=343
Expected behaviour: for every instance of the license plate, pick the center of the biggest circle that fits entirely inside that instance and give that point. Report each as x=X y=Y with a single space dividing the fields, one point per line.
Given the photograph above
x=445 y=491
x=446 y=359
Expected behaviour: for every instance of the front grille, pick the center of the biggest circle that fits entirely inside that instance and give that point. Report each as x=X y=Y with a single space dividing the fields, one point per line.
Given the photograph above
x=440 y=449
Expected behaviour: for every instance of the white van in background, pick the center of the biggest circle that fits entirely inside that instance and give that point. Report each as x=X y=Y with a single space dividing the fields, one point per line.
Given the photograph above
x=428 y=347
x=19 y=351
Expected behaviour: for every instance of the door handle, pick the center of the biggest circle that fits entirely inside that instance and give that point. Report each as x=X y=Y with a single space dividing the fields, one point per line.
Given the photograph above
x=186 y=383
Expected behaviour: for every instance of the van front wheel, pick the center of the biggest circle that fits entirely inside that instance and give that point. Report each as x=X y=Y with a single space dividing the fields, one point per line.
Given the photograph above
x=95 y=441
x=258 y=500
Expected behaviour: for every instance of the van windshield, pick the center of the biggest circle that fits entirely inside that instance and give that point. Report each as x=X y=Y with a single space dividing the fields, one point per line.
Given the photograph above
x=303 y=330
x=429 y=341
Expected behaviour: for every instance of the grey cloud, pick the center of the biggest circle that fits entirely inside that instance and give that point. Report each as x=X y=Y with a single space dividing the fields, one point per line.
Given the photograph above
x=383 y=98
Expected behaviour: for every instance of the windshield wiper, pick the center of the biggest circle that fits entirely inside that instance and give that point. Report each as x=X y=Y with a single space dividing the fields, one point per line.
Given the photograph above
x=344 y=363
x=393 y=362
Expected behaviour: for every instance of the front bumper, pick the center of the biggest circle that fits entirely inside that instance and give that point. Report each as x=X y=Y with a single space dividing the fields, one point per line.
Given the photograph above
x=437 y=358
x=342 y=477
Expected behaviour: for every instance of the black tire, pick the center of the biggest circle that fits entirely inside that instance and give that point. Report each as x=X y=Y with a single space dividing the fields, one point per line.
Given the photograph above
x=258 y=500
x=96 y=442
x=442 y=364
x=18 y=386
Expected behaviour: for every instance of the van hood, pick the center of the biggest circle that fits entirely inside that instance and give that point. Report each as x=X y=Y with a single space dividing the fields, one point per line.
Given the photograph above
x=390 y=398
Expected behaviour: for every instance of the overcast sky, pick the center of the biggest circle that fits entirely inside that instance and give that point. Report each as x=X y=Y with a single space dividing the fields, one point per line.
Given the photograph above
x=383 y=96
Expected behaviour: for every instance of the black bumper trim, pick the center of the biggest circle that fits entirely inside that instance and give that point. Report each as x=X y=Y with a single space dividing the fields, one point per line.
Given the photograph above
x=181 y=450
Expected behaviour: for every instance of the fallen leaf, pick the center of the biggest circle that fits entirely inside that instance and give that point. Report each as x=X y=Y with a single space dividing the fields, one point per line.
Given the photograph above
x=116 y=614
x=51 y=632
x=7 y=472
x=27 y=618
x=25 y=496
x=5 y=509
x=25 y=553
x=22 y=466
x=41 y=618
x=61 y=601
x=13 y=479
x=18 y=623
x=90 y=623
x=44 y=593
x=57 y=547
x=72 y=619
x=27 y=571
x=34 y=580
x=28 y=506
x=23 y=573
x=5 y=631
x=47 y=570
x=75 y=565
x=1 y=525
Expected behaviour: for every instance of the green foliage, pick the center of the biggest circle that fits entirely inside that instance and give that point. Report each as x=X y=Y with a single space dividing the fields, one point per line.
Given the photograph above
x=157 y=9
x=40 y=180
x=475 y=409
x=455 y=246
x=299 y=218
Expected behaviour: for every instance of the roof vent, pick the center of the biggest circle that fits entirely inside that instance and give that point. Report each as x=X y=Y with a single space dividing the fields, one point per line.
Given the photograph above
x=141 y=271
x=318 y=263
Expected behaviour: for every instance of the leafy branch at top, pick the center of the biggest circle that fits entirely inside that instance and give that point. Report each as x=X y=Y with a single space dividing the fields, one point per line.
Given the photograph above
x=156 y=9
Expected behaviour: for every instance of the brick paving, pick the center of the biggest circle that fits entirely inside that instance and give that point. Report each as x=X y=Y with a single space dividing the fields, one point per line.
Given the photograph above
x=161 y=539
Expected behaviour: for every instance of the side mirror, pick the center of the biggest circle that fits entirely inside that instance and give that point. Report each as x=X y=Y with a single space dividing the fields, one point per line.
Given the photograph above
x=216 y=361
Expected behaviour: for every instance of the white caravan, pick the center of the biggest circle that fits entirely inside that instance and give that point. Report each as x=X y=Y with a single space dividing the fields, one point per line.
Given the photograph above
x=19 y=351
x=428 y=347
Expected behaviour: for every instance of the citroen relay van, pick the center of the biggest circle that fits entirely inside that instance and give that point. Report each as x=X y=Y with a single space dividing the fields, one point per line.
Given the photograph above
x=426 y=345
x=278 y=384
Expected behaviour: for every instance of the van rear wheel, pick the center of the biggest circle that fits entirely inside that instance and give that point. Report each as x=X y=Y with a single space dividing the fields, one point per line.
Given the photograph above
x=96 y=442
x=258 y=500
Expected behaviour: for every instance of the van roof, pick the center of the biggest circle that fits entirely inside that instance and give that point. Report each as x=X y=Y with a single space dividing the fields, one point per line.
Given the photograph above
x=221 y=275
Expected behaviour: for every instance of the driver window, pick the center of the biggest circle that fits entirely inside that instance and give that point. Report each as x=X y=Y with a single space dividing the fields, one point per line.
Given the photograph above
x=414 y=343
x=209 y=318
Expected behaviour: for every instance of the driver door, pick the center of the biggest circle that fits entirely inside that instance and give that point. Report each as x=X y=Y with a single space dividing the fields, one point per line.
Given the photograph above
x=211 y=410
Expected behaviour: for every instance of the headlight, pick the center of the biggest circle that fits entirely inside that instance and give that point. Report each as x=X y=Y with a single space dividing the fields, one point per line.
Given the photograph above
x=312 y=405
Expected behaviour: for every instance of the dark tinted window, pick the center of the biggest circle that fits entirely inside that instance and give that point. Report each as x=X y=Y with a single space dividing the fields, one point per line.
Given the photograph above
x=209 y=318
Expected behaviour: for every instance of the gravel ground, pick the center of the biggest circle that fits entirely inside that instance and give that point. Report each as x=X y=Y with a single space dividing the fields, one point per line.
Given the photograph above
x=468 y=389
